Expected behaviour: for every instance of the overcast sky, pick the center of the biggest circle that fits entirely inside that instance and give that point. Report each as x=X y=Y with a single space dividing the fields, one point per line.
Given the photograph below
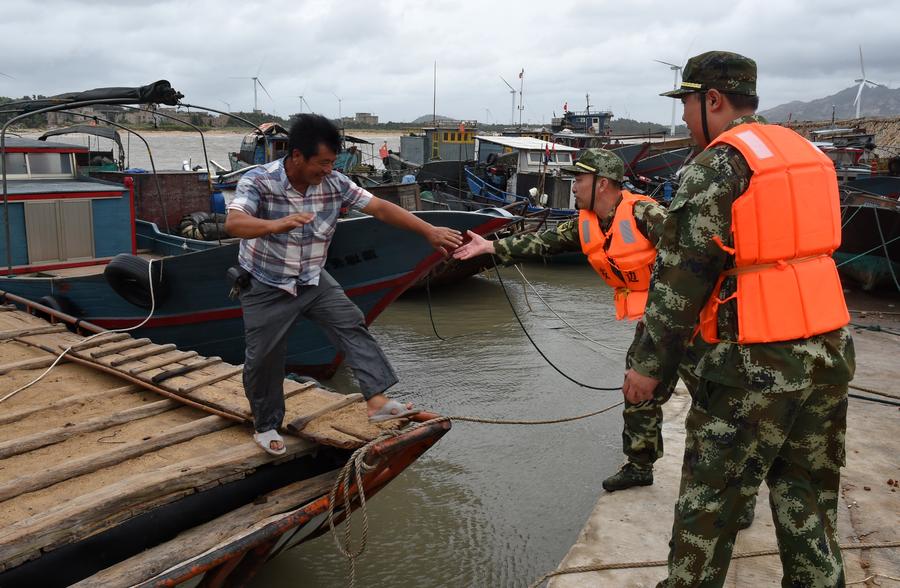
x=378 y=56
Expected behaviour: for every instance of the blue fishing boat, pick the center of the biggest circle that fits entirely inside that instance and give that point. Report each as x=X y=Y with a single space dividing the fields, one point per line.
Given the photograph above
x=515 y=169
x=74 y=244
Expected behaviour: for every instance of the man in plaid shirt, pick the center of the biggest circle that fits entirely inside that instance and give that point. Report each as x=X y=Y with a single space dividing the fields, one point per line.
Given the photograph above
x=285 y=212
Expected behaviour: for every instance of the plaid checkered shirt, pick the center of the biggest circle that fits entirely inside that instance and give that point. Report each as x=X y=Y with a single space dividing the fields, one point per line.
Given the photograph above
x=288 y=260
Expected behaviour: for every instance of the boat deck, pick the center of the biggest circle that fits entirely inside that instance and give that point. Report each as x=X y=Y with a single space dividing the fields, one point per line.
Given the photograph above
x=634 y=526
x=122 y=426
x=93 y=269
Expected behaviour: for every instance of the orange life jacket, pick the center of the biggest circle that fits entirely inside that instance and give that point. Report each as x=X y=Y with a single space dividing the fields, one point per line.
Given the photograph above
x=785 y=228
x=623 y=257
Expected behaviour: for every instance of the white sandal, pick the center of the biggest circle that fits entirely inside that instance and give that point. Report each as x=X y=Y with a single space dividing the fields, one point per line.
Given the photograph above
x=265 y=439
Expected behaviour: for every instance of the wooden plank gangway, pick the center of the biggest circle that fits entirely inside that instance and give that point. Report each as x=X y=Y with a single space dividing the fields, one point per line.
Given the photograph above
x=122 y=426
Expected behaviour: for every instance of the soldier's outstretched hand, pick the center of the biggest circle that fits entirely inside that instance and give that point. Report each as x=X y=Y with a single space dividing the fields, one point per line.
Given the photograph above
x=477 y=245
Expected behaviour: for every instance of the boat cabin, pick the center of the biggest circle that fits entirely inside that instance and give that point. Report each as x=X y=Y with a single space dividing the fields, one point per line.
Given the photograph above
x=447 y=141
x=585 y=121
x=258 y=148
x=96 y=158
x=55 y=217
x=537 y=164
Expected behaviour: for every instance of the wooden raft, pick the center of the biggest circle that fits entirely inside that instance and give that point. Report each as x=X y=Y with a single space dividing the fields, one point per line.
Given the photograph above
x=122 y=425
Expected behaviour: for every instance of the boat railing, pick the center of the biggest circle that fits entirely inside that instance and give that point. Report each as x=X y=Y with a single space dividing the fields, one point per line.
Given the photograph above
x=66 y=106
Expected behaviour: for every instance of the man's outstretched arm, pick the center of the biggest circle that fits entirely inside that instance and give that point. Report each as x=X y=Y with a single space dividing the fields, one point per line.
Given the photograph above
x=443 y=239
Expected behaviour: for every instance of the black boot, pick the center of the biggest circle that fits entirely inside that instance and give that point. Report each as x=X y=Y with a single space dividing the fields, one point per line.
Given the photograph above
x=628 y=476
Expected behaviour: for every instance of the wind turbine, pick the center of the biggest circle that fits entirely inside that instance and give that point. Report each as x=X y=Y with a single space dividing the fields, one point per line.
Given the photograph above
x=677 y=70
x=862 y=82
x=227 y=104
x=340 y=113
x=302 y=102
x=255 y=83
x=512 y=91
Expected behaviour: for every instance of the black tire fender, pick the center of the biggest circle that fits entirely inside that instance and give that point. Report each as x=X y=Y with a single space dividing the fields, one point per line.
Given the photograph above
x=58 y=303
x=129 y=276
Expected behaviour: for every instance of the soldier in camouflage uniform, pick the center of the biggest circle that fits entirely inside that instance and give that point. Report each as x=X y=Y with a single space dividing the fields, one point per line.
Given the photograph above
x=641 y=436
x=763 y=411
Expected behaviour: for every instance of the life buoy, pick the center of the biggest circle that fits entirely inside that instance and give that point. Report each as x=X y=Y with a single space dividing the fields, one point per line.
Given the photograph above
x=130 y=277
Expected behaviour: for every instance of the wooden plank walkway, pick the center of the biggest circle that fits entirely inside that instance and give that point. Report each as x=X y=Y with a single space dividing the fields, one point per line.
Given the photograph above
x=124 y=425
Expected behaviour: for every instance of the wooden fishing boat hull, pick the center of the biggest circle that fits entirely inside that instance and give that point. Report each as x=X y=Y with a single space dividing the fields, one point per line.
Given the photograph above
x=157 y=481
x=240 y=555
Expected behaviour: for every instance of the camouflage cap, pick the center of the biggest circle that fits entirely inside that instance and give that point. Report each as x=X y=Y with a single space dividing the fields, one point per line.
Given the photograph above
x=722 y=70
x=600 y=162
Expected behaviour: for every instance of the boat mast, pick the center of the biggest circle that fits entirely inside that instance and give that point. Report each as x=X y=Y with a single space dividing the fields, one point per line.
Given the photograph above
x=521 y=87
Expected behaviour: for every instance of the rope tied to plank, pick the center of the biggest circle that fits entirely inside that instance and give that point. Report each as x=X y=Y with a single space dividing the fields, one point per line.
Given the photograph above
x=355 y=468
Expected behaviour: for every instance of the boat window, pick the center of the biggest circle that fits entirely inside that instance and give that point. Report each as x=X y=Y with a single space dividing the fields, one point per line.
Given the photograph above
x=50 y=164
x=535 y=157
x=16 y=164
x=564 y=158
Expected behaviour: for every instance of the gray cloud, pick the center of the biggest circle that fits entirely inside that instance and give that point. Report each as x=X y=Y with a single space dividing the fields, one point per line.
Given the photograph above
x=378 y=56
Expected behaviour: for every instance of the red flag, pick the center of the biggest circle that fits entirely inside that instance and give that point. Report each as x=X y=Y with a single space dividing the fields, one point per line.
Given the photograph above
x=566 y=107
x=546 y=152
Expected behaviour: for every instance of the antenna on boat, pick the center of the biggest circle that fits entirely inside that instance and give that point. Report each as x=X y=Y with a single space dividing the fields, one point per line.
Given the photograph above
x=434 y=97
x=512 y=112
x=677 y=70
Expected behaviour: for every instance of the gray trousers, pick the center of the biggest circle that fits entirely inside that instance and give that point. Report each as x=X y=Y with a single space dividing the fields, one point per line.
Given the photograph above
x=269 y=314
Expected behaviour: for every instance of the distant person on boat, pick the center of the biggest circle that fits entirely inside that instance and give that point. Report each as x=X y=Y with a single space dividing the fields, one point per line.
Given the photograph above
x=617 y=230
x=746 y=253
x=383 y=153
x=285 y=212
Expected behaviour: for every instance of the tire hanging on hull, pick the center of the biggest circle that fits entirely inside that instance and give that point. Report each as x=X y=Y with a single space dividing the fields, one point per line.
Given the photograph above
x=128 y=275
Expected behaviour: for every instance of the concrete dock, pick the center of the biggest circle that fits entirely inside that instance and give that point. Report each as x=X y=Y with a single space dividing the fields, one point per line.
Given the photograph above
x=635 y=525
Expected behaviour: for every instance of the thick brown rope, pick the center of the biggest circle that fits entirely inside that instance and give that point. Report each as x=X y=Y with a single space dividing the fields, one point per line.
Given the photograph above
x=542 y=422
x=877 y=392
x=663 y=562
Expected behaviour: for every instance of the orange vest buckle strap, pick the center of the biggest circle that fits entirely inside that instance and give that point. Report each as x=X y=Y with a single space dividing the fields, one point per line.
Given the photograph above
x=623 y=257
x=785 y=228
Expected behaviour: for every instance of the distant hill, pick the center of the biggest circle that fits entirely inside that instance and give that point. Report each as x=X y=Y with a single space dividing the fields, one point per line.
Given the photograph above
x=627 y=126
x=877 y=101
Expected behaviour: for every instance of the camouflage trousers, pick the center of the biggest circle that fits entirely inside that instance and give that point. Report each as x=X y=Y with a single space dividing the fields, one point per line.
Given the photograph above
x=642 y=441
x=737 y=438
